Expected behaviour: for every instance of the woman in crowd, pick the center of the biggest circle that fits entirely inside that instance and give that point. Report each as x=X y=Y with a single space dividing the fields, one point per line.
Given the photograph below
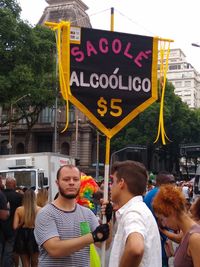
x=169 y=207
x=24 y=221
x=42 y=197
x=195 y=210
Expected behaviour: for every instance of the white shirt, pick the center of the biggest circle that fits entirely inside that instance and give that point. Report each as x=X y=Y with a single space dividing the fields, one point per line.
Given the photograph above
x=185 y=190
x=135 y=216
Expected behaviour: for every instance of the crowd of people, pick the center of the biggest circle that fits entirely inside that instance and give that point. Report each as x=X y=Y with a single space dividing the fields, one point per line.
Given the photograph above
x=150 y=222
x=19 y=207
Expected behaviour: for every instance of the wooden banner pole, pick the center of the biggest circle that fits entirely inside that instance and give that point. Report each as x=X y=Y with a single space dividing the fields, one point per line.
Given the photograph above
x=105 y=195
x=107 y=166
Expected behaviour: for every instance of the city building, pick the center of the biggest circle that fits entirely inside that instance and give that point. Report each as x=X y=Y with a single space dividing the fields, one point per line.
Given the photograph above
x=80 y=145
x=80 y=140
x=70 y=10
x=184 y=77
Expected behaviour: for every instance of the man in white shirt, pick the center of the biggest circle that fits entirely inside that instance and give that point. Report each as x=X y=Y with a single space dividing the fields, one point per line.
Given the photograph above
x=137 y=239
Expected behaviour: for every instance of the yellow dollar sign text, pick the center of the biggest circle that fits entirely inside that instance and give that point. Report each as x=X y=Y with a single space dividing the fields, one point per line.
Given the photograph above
x=102 y=110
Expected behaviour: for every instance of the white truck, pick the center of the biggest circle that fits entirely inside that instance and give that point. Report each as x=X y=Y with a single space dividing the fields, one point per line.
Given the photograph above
x=35 y=170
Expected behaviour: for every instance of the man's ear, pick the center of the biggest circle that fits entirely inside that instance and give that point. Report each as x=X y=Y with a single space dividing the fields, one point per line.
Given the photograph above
x=56 y=182
x=122 y=183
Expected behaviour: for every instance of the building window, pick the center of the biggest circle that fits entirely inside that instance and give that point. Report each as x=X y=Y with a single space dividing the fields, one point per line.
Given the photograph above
x=44 y=143
x=20 y=149
x=46 y=115
x=72 y=115
x=65 y=148
x=187 y=101
x=175 y=67
x=187 y=83
x=187 y=66
x=4 y=147
x=178 y=84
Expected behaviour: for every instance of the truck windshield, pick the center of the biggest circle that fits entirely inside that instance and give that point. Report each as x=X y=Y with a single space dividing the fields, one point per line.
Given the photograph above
x=24 y=178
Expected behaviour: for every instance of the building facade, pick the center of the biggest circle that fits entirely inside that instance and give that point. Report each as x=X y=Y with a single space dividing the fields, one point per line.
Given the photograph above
x=80 y=139
x=184 y=77
x=70 y=10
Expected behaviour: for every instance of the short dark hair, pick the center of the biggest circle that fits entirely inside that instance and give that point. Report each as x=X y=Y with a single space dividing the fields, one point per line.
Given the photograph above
x=70 y=166
x=134 y=174
x=196 y=209
x=164 y=177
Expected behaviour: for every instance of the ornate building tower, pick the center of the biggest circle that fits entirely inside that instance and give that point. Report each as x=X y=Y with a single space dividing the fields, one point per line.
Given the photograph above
x=71 y=10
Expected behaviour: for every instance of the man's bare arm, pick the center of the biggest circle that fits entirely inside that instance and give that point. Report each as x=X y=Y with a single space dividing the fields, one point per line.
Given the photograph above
x=60 y=248
x=133 y=251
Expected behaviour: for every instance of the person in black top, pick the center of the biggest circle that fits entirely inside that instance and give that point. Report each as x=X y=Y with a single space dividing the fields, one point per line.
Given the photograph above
x=8 y=238
x=4 y=209
x=4 y=213
x=1 y=183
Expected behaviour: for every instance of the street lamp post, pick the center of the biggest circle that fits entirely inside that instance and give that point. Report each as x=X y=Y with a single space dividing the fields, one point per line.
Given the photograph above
x=195 y=44
x=10 y=129
x=56 y=107
x=117 y=151
x=10 y=123
x=134 y=148
x=54 y=118
x=97 y=151
x=76 y=132
x=55 y=125
x=97 y=157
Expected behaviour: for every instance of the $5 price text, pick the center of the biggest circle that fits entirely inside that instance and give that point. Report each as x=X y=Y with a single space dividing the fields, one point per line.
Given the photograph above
x=113 y=106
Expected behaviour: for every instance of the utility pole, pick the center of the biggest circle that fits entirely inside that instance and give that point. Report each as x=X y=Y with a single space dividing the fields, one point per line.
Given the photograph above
x=9 y=146
x=97 y=157
x=76 y=132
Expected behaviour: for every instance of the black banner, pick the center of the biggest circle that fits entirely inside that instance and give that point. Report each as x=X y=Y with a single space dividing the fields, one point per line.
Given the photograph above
x=111 y=74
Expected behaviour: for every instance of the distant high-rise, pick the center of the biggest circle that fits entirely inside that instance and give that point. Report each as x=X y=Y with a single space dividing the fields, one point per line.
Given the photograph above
x=184 y=77
x=70 y=10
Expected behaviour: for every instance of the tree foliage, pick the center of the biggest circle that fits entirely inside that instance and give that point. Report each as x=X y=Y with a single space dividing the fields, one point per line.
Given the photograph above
x=27 y=65
x=27 y=60
x=12 y=6
x=181 y=125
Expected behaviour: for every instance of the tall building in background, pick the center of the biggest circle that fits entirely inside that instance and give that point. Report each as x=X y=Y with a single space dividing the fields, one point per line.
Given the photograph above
x=185 y=78
x=71 y=10
x=80 y=139
x=82 y=135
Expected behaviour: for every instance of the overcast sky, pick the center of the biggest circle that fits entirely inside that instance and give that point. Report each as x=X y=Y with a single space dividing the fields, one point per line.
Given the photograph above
x=173 y=19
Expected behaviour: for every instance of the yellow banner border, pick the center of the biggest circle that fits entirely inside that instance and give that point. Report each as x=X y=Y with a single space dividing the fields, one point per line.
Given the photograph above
x=111 y=132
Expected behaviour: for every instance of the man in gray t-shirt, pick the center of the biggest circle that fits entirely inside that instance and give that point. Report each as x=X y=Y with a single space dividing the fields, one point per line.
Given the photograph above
x=60 y=226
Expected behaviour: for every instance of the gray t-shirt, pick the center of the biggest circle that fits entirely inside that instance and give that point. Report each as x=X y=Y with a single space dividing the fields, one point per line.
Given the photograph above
x=52 y=222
